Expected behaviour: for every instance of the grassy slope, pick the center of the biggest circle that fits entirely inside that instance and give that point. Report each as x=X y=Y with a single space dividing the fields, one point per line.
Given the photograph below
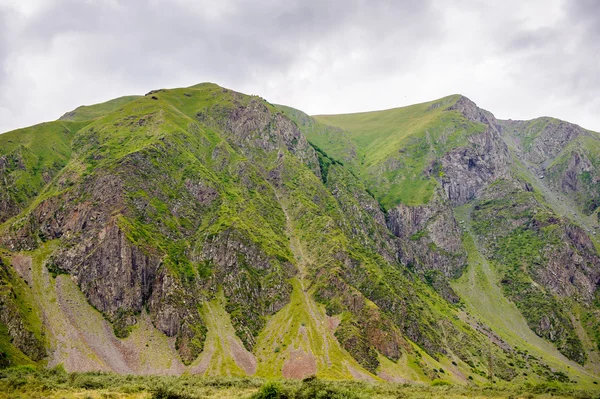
x=107 y=142
x=176 y=112
x=479 y=286
x=312 y=226
x=302 y=325
x=222 y=346
x=571 y=207
x=89 y=112
x=34 y=155
x=39 y=152
x=396 y=146
x=372 y=131
x=338 y=142
x=480 y=290
x=12 y=286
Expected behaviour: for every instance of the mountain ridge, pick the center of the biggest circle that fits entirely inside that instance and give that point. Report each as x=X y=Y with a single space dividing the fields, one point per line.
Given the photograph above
x=176 y=209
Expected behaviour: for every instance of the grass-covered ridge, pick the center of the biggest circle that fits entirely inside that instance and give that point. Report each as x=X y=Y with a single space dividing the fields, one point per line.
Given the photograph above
x=396 y=147
x=29 y=159
x=89 y=112
x=200 y=222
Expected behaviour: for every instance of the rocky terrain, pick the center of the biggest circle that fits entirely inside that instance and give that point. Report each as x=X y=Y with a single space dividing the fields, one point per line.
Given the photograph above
x=206 y=231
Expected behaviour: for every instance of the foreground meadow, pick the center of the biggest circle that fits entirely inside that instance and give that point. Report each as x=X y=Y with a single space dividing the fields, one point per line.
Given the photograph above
x=25 y=382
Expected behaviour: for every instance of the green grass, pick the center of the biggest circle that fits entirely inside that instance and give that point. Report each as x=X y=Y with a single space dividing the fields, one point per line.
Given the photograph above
x=380 y=133
x=21 y=383
x=336 y=141
x=218 y=356
x=9 y=354
x=395 y=147
x=89 y=112
x=484 y=298
x=32 y=157
x=311 y=262
x=302 y=324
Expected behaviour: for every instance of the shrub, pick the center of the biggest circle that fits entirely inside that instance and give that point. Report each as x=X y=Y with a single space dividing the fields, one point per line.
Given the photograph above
x=166 y=393
x=313 y=388
x=270 y=390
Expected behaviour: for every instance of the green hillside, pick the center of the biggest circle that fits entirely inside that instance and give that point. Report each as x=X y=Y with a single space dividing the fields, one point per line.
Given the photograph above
x=395 y=147
x=89 y=112
x=200 y=230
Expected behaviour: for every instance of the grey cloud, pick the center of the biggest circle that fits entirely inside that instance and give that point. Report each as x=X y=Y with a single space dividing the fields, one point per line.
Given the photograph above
x=586 y=12
x=532 y=40
x=332 y=55
x=146 y=40
x=3 y=41
x=4 y=53
x=559 y=60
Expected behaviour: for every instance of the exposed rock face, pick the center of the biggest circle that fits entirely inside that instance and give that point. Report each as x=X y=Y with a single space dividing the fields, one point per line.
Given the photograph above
x=254 y=126
x=573 y=268
x=541 y=257
x=115 y=275
x=467 y=170
x=121 y=272
x=575 y=175
x=166 y=209
x=568 y=264
x=430 y=236
x=475 y=114
x=561 y=153
x=551 y=140
x=578 y=163
x=250 y=299
x=365 y=220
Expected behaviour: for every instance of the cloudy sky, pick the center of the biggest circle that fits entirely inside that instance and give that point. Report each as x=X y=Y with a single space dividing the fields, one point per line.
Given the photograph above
x=518 y=59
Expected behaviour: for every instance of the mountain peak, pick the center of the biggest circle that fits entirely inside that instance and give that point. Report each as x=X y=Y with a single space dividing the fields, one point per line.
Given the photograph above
x=472 y=112
x=206 y=231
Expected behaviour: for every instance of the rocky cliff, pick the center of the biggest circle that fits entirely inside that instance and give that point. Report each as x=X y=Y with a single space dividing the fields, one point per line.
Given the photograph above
x=235 y=237
x=513 y=172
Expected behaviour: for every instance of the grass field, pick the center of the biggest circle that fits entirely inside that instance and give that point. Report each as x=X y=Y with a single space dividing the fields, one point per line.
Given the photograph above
x=27 y=382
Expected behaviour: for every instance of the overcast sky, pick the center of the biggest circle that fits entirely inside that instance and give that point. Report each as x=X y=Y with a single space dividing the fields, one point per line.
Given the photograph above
x=518 y=59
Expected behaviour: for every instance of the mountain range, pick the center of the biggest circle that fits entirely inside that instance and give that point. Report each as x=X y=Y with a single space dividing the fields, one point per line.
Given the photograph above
x=205 y=231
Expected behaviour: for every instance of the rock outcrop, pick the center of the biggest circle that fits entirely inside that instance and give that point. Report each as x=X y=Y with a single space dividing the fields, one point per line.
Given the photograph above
x=430 y=236
x=469 y=169
x=185 y=211
x=541 y=140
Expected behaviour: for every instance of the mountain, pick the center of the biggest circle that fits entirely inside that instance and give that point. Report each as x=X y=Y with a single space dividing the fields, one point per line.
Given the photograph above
x=206 y=231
